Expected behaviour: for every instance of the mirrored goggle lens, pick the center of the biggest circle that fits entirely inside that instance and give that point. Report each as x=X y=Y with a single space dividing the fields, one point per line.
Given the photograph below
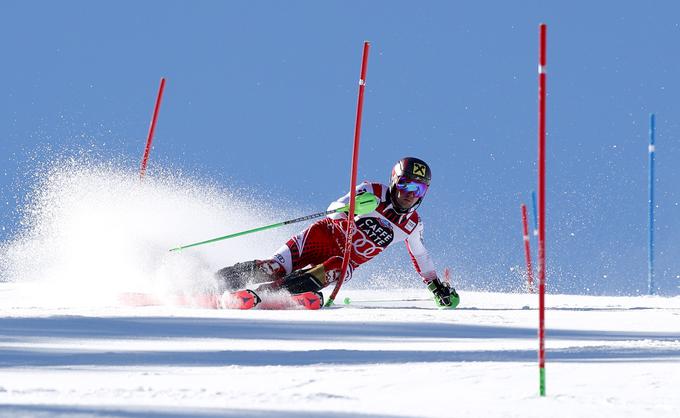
x=412 y=186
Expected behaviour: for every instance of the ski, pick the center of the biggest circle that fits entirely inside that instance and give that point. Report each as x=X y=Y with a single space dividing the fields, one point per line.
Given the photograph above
x=194 y=300
x=309 y=300
x=248 y=299
x=241 y=299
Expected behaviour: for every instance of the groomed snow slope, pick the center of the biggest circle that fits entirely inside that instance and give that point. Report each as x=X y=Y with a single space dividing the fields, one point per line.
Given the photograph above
x=607 y=356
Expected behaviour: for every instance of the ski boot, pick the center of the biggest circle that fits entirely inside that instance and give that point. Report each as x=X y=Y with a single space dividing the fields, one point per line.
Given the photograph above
x=240 y=275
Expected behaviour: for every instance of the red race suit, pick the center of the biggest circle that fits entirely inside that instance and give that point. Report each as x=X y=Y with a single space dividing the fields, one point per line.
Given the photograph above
x=323 y=242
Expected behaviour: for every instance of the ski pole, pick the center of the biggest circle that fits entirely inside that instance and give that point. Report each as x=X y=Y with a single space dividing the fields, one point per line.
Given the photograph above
x=364 y=203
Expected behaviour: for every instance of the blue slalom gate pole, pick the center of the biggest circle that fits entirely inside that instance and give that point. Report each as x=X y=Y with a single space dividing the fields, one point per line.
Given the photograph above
x=533 y=202
x=650 y=274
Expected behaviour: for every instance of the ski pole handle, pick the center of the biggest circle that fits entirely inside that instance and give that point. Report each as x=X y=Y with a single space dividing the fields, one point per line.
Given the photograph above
x=364 y=203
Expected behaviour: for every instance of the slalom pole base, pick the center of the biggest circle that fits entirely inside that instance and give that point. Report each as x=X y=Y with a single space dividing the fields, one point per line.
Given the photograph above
x=542 y=381
x=328 y=303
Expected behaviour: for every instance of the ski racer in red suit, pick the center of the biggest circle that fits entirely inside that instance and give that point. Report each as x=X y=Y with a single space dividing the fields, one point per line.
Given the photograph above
x=312 y=259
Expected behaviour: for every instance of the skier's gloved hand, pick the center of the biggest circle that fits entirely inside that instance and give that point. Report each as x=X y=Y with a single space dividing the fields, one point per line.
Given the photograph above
x=444 y=295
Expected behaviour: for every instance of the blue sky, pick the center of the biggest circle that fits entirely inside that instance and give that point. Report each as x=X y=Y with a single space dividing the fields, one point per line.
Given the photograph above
x=262 y=94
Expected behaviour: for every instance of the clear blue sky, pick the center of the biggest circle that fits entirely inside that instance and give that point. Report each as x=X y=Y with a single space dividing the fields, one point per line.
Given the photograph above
x=263 y=94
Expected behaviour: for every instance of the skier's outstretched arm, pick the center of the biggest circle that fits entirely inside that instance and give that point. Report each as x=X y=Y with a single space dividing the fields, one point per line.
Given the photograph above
x=444 y=295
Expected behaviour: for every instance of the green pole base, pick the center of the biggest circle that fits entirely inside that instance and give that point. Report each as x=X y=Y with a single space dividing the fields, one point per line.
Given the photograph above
x=542 y=381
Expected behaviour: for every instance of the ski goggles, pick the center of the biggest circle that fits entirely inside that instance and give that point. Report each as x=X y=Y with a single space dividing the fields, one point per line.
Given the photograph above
x=417 y=188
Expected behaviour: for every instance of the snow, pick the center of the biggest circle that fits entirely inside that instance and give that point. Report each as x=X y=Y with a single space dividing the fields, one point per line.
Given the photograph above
x=388 y=353
x=90 y=232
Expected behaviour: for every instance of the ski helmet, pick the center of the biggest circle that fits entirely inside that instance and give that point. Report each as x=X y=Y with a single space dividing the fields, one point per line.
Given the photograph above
x=414 y=170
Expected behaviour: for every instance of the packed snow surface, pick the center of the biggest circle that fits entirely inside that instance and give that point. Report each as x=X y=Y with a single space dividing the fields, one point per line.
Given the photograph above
x=387 y=353
x=91 y=232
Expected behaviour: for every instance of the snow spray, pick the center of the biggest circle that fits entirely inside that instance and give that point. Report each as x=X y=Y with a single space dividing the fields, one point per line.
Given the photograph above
x=91 y=229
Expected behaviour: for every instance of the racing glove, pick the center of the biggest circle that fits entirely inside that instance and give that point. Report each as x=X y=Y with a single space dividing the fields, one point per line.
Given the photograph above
x=444 y=295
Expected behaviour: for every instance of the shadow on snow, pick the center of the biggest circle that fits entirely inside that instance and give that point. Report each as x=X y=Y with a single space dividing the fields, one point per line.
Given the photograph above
x=22 y=328
x=54 y=411
x=75 y=327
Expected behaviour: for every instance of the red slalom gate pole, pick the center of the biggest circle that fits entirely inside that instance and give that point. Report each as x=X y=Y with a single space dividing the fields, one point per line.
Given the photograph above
x=527 y=249
x=353 y=178
x=152 y=128
x=542 y=62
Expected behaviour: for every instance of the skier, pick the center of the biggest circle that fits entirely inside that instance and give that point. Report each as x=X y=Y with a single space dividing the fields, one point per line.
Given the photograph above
x=312 y=259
